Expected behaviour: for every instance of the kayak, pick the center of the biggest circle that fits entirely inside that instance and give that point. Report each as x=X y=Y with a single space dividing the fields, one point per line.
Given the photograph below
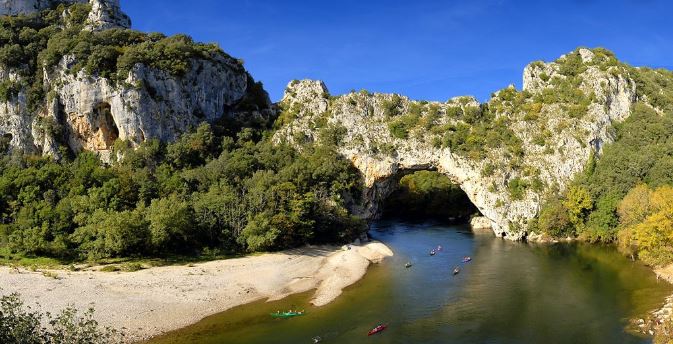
x=286 y=314
x=377 y=329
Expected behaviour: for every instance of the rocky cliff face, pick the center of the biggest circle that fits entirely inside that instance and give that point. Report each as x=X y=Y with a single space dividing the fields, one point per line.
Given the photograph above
x=105 y=14
x=17 y=7
x=89 y=112
x=518 y=146
x=151 y=104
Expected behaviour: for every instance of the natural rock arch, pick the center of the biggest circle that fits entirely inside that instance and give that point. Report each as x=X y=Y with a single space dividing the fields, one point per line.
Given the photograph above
x=551 y=144
x=311 y=99
x=381 y=178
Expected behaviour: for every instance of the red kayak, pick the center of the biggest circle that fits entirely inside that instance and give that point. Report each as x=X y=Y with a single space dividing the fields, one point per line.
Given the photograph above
x=377 y=329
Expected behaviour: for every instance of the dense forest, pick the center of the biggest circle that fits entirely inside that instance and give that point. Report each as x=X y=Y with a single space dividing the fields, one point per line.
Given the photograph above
x=203 y=192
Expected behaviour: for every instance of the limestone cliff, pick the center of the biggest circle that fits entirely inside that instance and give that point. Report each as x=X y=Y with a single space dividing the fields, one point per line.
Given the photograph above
x=506 y=154
x=105 y=14
x=150 y=104
x=76 y=103
x=24 y=7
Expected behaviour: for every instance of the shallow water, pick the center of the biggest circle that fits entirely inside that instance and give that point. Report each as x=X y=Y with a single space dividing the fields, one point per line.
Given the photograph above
x=509 y=293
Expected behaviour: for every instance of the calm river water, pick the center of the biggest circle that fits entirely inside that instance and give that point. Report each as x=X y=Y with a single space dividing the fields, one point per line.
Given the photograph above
x=509 y=293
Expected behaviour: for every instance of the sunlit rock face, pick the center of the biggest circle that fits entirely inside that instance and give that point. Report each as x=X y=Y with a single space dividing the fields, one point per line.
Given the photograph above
x=105 y=14
x=17 y=7
x=89 y=112
x=152 y=104
x=552 y=145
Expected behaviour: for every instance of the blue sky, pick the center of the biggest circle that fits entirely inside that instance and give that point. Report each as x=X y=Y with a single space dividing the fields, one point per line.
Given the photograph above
x=424 y=49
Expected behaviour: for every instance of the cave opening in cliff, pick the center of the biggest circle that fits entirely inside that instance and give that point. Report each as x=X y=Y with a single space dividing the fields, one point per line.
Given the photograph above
x=428 y=195
x=5 y=141
x=107 y=126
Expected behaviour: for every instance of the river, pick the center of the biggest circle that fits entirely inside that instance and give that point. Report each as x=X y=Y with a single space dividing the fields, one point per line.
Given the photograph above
x=509 y=293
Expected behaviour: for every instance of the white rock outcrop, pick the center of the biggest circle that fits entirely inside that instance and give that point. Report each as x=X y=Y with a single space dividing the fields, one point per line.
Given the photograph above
x=478 y=223
x=107 y=14
x=150 y=104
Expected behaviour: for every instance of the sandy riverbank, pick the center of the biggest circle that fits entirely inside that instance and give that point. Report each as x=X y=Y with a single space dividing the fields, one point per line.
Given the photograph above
x=665 y=273
x=152 y=301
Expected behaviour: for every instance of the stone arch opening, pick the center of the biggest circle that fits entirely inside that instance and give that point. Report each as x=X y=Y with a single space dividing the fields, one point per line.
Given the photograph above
x=428 y=194
x=420 y=194
x=107 y=129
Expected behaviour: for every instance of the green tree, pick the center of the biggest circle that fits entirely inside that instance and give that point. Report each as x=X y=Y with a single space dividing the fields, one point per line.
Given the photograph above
x=170 y=222
x=259 y=235
x=578 y=204
x=555 y=220
x=113 y=234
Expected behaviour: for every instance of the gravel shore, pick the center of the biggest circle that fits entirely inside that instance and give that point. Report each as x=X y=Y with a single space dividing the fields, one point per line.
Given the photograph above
x=656 y=321
x=150 y=302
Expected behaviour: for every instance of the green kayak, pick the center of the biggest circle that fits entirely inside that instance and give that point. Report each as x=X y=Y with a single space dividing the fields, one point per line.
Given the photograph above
x=286 y=314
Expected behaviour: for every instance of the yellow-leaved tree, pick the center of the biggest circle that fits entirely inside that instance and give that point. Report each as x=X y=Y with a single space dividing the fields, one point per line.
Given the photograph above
x=578 y=202
x=646 y=218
